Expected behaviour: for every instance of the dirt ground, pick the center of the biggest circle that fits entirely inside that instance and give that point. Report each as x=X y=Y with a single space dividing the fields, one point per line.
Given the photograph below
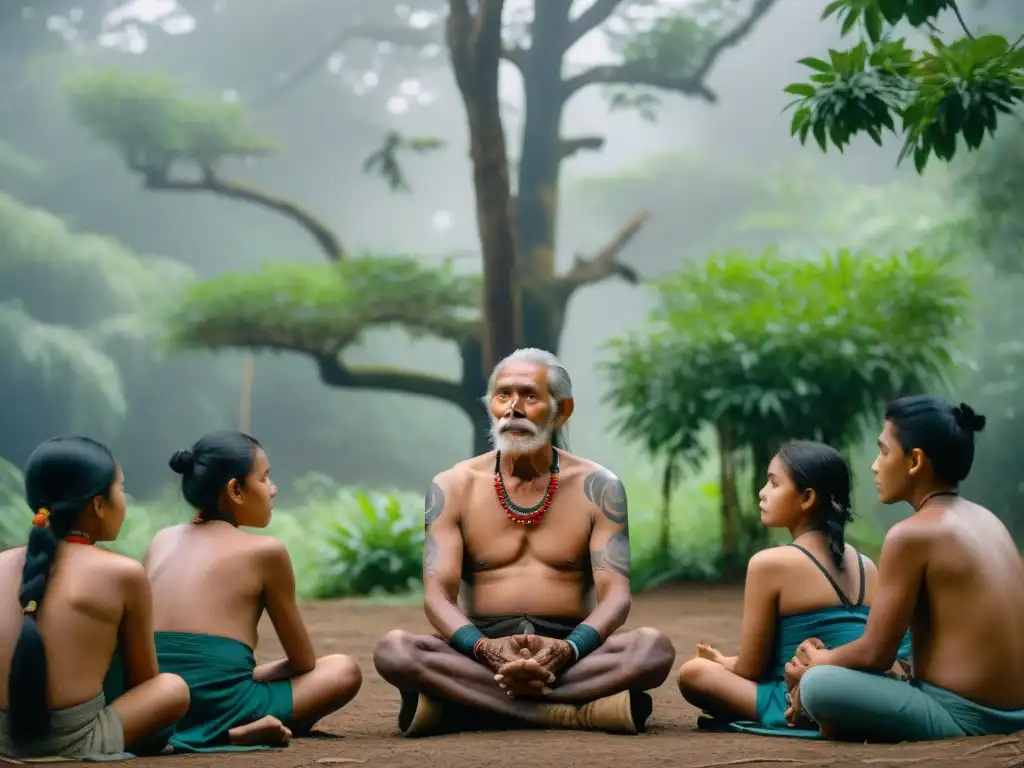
x=366 y=731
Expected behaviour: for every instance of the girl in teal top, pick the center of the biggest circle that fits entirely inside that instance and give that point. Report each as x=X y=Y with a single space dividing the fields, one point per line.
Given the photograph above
x=792 y=593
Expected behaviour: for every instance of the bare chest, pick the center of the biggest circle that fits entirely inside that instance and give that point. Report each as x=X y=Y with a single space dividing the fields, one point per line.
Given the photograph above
x=496 y=538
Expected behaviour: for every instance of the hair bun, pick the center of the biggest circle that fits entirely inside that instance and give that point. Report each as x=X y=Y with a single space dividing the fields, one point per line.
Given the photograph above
x=967 y=419
x=182 y=462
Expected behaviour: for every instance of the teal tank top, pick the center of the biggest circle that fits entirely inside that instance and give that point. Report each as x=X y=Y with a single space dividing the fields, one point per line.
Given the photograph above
x=835 y=625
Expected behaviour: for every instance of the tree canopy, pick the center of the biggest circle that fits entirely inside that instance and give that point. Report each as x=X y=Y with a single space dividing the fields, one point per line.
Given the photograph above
x=325 y=308
x=63 y=295
x=763 y=349
x=779 y=347
x=954 y=90
x=177 y=141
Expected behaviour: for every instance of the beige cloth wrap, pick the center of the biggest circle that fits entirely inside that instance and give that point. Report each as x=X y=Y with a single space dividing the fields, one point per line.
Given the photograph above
x=90 y=728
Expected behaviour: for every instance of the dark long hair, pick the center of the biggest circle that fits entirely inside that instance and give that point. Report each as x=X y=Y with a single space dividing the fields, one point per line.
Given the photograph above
x=62 y=476
x=821 y=468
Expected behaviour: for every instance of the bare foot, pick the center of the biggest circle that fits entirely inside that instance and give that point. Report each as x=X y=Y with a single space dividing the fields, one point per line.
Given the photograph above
x=707 y=652
x=267 y=731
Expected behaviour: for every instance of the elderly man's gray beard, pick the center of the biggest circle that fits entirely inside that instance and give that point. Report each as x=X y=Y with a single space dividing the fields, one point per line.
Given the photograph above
x=513 y=444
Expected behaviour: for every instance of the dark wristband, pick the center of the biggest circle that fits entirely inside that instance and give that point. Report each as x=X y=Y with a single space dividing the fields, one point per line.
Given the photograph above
x=583 y=640
x=465 y=638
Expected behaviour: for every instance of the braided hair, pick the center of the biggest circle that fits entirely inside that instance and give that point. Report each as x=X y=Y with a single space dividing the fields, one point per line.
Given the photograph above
x=821 y=468
x=62 y=477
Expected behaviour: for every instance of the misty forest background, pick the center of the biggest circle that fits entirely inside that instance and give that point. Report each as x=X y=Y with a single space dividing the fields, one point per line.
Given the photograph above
x=197 y=196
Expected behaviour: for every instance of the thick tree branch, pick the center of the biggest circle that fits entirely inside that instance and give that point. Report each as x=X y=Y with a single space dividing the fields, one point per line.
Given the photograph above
x=590 y=143
x=590 y=19
x=329 y=242
x=334 y=373
x=641 y=73
x=604 y=263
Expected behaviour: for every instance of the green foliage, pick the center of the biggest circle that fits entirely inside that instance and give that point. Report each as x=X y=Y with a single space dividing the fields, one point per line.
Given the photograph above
x=326 y=307
x=152 y=123
x=14 y=514
x=783 y=348
x=81 y=289
x=952 y=91
x=672 y=45
x=376 y=545
x=62 y=357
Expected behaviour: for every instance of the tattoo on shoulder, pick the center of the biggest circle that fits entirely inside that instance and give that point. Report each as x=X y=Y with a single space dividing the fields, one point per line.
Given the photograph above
x=608 y=493
x=614 y=557
x=433 y=505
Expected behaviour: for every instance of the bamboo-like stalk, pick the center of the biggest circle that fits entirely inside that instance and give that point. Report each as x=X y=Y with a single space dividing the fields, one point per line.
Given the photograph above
x=245 y=401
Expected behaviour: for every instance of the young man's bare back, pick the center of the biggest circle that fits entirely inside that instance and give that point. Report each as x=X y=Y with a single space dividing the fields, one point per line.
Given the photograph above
x=972 y=598
x=542 y=546
x=211 y=584
x=70 y=613
x=952 y=573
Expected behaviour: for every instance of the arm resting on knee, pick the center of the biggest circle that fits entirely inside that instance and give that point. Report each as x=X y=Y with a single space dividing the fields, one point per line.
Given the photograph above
x=442 y=568
x=610 y=563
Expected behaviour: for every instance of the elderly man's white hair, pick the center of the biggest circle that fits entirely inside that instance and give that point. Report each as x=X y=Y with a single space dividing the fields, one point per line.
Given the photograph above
x=559 y=383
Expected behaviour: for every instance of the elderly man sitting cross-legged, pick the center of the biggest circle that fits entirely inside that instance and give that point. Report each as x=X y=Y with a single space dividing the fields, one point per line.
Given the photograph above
x=532 y=530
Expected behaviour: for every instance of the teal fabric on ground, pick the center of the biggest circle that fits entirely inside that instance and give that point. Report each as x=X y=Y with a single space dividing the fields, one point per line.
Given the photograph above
x=218 y=671
x=834 y=626
x=874 y=708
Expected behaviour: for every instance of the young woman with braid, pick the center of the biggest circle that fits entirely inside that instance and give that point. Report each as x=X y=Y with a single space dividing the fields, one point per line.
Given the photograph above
x=815 y=587
x=79 y=602
x=211 y=584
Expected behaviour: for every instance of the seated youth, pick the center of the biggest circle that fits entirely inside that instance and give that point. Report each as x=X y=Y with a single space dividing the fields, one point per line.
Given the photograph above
x=67 y=605
x=211 y=583
x=953 y=574
x=817 y=586
x=531 y=529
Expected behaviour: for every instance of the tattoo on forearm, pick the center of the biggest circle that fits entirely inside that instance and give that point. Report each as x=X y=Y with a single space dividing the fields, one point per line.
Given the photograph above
x=433 y=505
x=608 y=493
x=614 y=557
x=429 y=556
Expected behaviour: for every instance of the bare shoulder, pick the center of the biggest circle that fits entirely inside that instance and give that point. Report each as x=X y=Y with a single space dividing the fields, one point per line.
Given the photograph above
x=447 y=488
x=775 y=560
x=10 y=556
x=914 y=530
x=263 y=546
x=166 y=537
x=121 y=569
x=600 y=486
x=463 y=473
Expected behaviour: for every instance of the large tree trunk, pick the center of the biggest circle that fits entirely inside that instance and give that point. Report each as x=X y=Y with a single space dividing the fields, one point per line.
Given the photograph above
x=475 y=47
x=540 y=160
x=541 y=150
